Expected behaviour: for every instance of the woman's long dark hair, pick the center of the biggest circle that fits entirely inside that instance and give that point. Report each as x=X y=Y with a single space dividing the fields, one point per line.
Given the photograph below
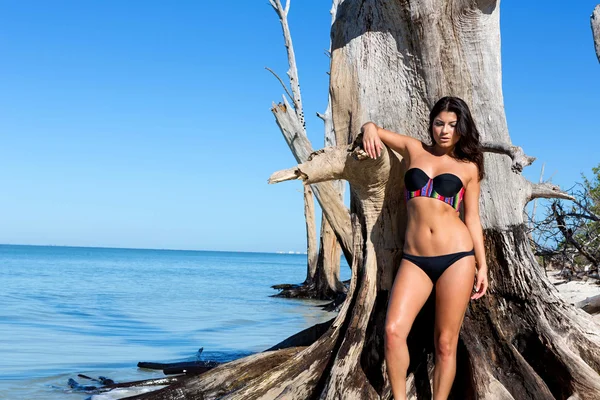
x=468 y=147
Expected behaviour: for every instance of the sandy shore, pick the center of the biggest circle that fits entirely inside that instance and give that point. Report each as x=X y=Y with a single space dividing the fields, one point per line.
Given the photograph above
x=575 y=290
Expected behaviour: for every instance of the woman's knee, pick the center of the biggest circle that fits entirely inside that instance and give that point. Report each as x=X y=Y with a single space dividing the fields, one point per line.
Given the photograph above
x=445 y=346
x=395 y=333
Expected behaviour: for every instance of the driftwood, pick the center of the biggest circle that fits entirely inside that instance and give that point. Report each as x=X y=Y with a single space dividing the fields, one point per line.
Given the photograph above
x=186 y=367
x=189 y=369
x=104 y=385
x=591 y=305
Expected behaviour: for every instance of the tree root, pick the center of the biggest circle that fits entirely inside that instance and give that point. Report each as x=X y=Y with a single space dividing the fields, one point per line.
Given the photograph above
x=304 y=291
x=224 y=378
x=304 y=338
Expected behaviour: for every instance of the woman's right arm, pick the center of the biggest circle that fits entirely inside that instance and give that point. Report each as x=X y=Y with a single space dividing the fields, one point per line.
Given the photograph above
x=373 y=136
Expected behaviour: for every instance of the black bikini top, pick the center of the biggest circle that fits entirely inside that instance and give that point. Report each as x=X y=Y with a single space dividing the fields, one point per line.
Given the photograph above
x=445 y=187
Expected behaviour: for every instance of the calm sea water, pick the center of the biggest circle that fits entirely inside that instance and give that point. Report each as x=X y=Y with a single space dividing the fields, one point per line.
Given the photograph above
x=69 y=310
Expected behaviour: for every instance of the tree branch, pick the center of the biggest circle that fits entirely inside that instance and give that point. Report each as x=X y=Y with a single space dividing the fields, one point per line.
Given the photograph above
x=289 y=174
x=547 y=190
x=568 y=233
x=326 y=193
x=535 y=201
x=583 y=216
x=595 y=20
x=318 y=170
x=590 y=214
x=281 y=81
x=323 y=165
x=516 y=153
x=293 y=71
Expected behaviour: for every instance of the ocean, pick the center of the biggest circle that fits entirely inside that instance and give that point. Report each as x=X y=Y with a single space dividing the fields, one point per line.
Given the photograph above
x=98 y=311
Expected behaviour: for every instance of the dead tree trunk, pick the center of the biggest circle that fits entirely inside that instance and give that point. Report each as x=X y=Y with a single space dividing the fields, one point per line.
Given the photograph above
x=322 y=280
x=329 y=249
x=596 y=29
x=391 y=60
x=311 y=232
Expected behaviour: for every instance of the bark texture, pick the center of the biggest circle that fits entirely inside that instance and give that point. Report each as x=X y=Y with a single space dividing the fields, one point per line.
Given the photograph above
x=596 y=29
x=311 y=234
x=329 y=250
x=390 y=62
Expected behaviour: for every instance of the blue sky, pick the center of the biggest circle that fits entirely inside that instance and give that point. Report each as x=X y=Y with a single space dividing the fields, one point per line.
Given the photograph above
x=147 y=123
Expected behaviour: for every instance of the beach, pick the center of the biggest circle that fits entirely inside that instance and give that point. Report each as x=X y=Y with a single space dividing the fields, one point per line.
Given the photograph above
x=575 y=290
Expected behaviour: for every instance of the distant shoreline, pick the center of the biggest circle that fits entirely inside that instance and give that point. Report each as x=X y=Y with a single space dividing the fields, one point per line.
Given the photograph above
x=153 y=249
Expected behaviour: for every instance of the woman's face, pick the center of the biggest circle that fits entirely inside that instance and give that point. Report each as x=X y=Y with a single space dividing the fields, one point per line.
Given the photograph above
x=444 y=132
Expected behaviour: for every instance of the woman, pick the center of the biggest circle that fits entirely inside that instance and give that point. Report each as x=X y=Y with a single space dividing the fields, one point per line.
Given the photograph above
x=440 y=250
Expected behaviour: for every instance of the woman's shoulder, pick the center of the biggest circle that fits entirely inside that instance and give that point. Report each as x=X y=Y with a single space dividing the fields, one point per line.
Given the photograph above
x=471 y=171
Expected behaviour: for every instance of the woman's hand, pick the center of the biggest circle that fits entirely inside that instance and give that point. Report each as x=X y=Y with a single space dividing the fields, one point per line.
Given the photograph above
x=371 y=142
x=481 y=283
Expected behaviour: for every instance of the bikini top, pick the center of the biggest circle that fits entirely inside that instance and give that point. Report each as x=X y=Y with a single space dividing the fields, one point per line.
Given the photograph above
x=445 y=187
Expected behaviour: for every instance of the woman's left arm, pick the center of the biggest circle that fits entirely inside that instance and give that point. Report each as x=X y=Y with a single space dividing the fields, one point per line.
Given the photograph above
x=473 y=222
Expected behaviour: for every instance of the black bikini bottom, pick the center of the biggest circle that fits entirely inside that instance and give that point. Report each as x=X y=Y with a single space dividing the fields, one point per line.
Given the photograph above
x=435 y=266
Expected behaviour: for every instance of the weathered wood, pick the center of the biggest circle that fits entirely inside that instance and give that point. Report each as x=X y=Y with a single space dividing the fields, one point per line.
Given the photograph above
x=326 y=193
x=516 y=153
x=329 y=253
x=329 y=258
x=168 y=380
x=546 y=190
x=292 y=73
x=304 y=338
x=322 y=281
x=183 y=365
x=591 y=305
x=223 y=379
x=595 y=21
x=390 y=62
x=311 y=235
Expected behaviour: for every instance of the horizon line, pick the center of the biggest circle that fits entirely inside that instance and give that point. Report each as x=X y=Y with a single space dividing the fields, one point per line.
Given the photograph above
x=148 y=248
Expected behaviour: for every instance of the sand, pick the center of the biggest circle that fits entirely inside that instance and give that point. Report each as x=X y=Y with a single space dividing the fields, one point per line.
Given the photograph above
x=576 y=290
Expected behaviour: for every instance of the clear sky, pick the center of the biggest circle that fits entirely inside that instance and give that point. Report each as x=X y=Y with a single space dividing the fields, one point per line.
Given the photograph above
x=147 y=123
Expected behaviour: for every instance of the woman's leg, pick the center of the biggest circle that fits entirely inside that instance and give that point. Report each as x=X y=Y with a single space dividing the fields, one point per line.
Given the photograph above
x=452 y=293
x=410 y=291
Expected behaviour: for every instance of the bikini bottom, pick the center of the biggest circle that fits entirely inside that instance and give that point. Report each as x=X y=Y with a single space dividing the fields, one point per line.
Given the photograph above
x=435 y=266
